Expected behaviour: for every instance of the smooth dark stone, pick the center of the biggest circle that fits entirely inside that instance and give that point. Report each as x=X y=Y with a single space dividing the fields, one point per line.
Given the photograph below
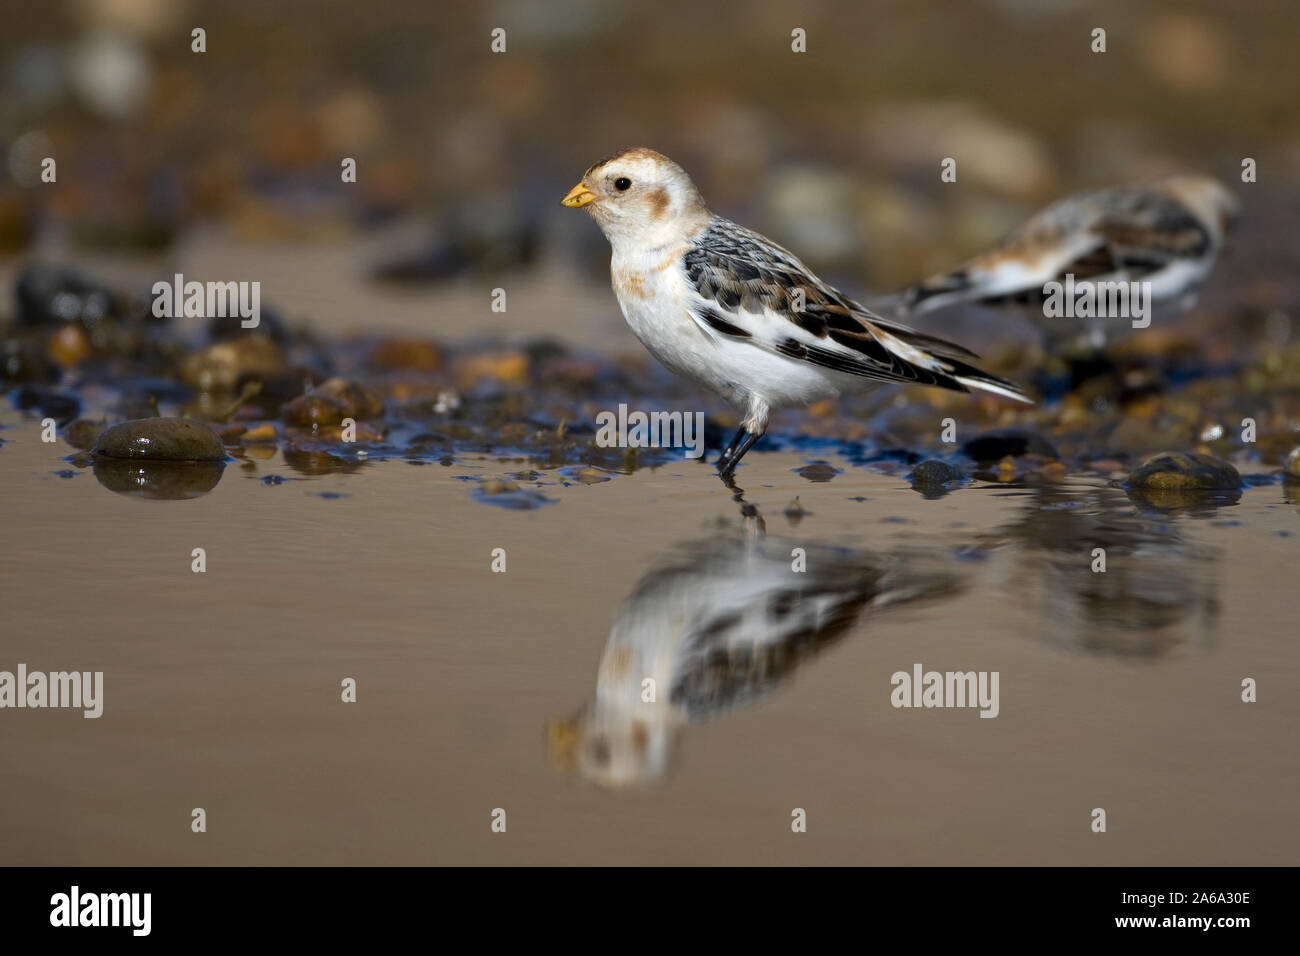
x=160 y=439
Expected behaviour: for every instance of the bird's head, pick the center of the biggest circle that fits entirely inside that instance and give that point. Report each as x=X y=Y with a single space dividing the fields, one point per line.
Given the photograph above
x=610 y=748
x=639 y=195
x=1207 y=197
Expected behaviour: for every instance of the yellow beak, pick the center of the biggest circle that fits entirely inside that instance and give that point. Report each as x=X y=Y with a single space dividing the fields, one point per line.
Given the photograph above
x=562 y=744
x=579 y=195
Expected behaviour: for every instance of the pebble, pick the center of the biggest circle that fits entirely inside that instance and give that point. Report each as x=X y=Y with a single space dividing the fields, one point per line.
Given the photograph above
x=220 y=367
x=415 y=355
x=1179 y=471
x=81 y=433
x=68 y=346
x=509 y=368
x=160 y=439
x=359 y=401
x=259 y=433
x=313 y=411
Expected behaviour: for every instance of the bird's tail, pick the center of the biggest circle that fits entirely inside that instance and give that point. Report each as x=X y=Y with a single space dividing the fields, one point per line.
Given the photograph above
x=971 y=377
x=944 y=361
x=936 y=291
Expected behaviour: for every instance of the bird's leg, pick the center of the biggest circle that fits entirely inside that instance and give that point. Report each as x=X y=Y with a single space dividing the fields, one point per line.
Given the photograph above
x=730 y=450
x=752 y=428
x=731 y=456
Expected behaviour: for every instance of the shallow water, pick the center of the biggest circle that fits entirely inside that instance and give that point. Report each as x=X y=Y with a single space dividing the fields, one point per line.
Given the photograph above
x=222 y=689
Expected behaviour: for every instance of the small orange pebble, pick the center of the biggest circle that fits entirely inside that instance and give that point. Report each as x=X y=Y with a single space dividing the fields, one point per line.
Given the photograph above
x=417 y=355
x=510 y=368
x=1144 y=409
x=68 y=346
x=263 y=432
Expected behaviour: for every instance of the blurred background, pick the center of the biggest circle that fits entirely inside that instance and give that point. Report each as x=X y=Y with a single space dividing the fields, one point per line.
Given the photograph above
x=227 y=162
x=331 y=557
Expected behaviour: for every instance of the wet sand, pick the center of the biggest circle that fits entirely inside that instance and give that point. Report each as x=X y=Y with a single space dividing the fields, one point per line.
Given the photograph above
x=222 y=689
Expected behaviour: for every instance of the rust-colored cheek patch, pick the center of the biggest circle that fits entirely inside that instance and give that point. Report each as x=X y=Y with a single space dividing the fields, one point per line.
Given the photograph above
x=658 y=203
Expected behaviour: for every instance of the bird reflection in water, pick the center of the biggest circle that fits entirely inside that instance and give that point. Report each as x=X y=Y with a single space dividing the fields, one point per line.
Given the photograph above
x=716 y=629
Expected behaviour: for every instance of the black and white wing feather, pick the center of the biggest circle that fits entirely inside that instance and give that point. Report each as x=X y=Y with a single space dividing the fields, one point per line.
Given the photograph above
x=748 y=289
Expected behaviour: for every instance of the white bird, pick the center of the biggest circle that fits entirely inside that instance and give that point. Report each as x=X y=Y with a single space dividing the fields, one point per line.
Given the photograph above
x=1168 y=234
x=740 y=315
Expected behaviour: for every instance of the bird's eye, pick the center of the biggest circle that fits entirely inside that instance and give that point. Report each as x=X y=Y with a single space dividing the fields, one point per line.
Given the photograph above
x=622 y=184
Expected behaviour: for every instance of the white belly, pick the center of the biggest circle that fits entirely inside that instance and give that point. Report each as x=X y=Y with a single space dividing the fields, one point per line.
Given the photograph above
x=735 y=369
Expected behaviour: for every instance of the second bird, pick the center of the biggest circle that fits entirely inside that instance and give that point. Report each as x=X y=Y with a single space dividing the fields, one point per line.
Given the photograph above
x=1166 y=235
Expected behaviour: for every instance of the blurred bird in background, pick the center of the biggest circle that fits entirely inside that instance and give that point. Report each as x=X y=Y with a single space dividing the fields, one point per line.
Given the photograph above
x=1168 y=234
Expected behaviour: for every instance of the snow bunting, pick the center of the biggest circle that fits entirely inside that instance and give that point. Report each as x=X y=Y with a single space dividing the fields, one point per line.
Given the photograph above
x=735 y=312
x=715 y=631
x=1168 y=234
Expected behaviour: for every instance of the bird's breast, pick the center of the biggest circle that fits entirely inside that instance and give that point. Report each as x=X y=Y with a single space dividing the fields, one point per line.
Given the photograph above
x=629 y=283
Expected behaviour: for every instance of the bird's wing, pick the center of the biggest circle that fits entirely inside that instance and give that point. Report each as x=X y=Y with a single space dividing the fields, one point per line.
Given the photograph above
x=1147 y=230
x=751 y=623
x=748 y=289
